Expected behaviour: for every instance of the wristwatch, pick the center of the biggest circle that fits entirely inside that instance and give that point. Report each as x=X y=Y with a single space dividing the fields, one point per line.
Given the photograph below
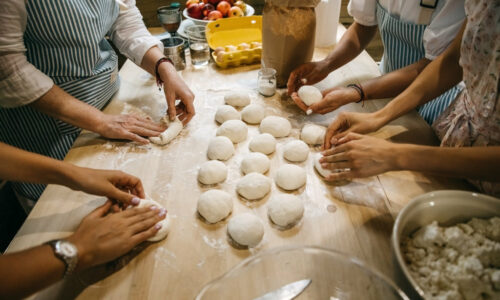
x=67 y=253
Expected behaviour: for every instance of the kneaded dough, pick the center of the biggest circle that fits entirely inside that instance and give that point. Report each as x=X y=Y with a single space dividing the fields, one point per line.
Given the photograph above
x=165 y=223
x=212 y=172
x=253 y=186
x=220 y=148
x=173 y=130
x=253 y=113
x=215 y=205
x=296 y=151
x=285 y=210
x=290 y=177
x=255 y=162
x=313 y=134
x=263 y=143
x=237 y=98
x=246 y=229
x=235 y=130
x=309 y=94
x=276 y=126
x=225 y=113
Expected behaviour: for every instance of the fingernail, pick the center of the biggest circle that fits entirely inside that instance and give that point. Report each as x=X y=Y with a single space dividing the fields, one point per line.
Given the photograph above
x=324 y=165
x=158 y=226
x=162 y=212
x=135 y=200
x=153 y=207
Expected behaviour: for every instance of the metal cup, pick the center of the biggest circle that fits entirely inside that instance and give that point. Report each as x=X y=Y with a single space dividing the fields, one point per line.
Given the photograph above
x=169 y=17
x=174 y=49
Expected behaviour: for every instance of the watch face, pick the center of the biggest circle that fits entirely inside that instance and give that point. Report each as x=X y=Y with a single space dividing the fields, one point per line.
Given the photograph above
x=68 y=249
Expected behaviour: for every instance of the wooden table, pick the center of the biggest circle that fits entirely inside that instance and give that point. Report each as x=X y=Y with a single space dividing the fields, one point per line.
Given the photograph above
x=355 y=218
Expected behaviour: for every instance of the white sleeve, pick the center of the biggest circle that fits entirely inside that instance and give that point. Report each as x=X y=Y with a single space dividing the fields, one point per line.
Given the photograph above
x=363 y=11
x=129 y=34
x=20 y=82
x=443 y=28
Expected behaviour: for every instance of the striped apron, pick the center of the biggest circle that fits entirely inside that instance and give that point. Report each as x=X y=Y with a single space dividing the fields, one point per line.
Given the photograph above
x=403 y=46
x=65 y=39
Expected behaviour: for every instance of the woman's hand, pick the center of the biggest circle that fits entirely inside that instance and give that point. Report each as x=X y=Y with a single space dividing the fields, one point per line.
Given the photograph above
x=308 y=73
x=360 y=156
x=334 y=98
x=104 y=236
x=128 y=127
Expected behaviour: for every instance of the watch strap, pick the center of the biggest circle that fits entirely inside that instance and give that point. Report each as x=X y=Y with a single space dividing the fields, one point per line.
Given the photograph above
x=69 y=262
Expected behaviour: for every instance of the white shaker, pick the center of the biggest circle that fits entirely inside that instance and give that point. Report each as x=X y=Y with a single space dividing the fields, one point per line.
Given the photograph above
x=327 y=21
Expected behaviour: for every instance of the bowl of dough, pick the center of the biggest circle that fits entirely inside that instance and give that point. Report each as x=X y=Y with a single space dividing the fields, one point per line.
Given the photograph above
x=304 y=272
x=446 y=245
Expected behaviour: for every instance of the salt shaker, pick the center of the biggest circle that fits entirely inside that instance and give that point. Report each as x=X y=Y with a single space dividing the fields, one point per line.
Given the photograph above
x=267 y=82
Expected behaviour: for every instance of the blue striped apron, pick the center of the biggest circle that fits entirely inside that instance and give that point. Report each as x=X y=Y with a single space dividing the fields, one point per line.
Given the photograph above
x=403 y=46
x=65 y=39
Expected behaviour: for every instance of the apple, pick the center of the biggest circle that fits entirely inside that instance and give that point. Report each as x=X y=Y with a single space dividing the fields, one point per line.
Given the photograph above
x=214 y=15
x=207 y=9
x=241 y=5
x=224 y=8
x=194 y=11
x=231 y=2
x=190 y=2
x=235 y=11
x=213 y=2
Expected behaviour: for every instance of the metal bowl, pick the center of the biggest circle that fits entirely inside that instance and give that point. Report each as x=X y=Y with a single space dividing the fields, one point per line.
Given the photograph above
x=447 y=208
x=249 y=11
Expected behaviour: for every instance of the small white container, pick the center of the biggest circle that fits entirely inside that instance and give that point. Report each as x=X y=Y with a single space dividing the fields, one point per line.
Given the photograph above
x=267 y=82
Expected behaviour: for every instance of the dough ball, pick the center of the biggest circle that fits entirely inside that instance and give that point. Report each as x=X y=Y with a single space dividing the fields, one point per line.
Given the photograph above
x=165 y=223
x=212 y=172
x=246 y=229
x=173 y=130
x=237 y=98
x=255 y=162
x=285 y=210
x=253 y=186
x=235 y=130
x=277 y=126
x=220 y=148
x=215 y=205
x=317 y=165
x=226 y=112
x=290 y=177
x=309 y=94
x=296 y=151
x=313 y=134
x=253 y=113
x=263 y=143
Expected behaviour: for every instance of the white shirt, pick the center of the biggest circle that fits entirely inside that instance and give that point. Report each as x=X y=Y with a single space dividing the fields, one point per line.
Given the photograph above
x=22 y=83
x=446 y=20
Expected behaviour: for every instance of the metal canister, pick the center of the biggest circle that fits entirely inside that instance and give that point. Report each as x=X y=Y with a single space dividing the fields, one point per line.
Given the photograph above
x=174 y=49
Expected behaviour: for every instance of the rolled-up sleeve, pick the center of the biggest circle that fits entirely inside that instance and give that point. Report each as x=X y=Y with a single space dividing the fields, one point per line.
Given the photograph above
x=129 y=34
x=363 y=11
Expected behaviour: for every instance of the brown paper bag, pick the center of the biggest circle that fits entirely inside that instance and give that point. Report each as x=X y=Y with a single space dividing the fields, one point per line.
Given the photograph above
x=288 y=29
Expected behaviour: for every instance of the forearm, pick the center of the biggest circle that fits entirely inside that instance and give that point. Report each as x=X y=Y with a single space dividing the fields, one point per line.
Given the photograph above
x=150 y=58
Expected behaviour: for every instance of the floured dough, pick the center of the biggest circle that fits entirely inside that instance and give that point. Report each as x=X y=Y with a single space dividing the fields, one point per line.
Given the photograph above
x=296 y=151
x=220 y=148
x=255 y=162
x=253 y=186
x=173 y=130
x=237 y=98
x=212 y=172
x=313 y=134
x=317 y=165
x=309 y=94
x=290 y=177
x=263 y=143
x=285 y=210
x=235 y=130
x=253 y=114
x=165 y=223
x=246 y=229
x=225 y=113
x=215 y=205
x=276 y=126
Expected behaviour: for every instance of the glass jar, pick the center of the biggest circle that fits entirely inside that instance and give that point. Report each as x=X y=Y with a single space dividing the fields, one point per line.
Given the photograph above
x=267 y=82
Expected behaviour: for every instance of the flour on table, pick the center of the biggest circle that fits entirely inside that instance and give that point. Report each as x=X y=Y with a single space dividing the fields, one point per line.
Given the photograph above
x=173 y=130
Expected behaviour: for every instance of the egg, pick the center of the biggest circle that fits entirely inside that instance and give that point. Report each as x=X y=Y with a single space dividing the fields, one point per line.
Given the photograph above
x=231 y=48
x=243 y=46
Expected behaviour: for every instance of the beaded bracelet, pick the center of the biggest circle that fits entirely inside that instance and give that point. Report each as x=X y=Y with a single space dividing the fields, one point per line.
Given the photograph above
x=360 y=91
x=159 y=82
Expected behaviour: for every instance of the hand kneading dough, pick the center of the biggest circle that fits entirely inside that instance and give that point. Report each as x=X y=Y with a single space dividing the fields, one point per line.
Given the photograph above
x=296 y=151
x=220 y=148
x=246 y=229
x=285 y=210
x=277 y=126
x=253 y=186
x=309 y=94
x=165 y=223
x=263 y=143
x=215 y=205
x=225 y=113
x=238 y=98
x=290 y=177
x=313 y=134
x=255 y=162
x=253 y=114
x=235 y=130
x=174 y=128
x=212 y=172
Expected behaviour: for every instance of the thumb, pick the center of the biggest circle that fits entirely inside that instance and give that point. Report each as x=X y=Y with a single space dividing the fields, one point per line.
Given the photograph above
x=101 y=211
x=319 y=106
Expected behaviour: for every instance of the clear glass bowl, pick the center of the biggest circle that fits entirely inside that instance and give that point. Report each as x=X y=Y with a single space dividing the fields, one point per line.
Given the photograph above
x=333 y=276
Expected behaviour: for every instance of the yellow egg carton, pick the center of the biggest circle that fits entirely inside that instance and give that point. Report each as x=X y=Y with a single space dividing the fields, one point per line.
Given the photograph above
x=235 y=41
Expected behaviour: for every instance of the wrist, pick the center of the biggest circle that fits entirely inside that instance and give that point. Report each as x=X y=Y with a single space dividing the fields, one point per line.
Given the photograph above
x=84 y=256
x=164 y=69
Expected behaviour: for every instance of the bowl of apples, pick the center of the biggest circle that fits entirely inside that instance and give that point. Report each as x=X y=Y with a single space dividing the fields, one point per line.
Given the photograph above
x=201 y=12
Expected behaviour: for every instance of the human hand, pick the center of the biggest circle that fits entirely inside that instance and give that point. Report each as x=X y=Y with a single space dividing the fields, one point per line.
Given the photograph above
x=128 y=127
x=103 y=236
x=334 y=98
x=308 y=73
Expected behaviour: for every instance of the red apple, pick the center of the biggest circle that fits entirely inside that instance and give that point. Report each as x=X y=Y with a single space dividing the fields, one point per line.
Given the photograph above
x=207 y=9
x=190 y=2
x=224 y=8
x=194 y=11
x=214 y=15
x=213 y=2
x=235 y=11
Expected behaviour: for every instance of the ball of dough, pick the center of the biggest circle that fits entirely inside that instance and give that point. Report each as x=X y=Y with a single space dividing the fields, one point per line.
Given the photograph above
x=253 y=186
x=226 y=112
x=255 y=162
x=246 y=229
x=253 y=114
x=276 y=126
x=235 y=130
x=215 y=205
x=212 y=172
x=220 y=148
x=296 y=151
x=165 y=223
x=285 y=210
x=317 y=165
x=263 y=143
x=309 y=94
x=313 y=134
x=237 y=98
x=173 y=130
x=290 y=177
